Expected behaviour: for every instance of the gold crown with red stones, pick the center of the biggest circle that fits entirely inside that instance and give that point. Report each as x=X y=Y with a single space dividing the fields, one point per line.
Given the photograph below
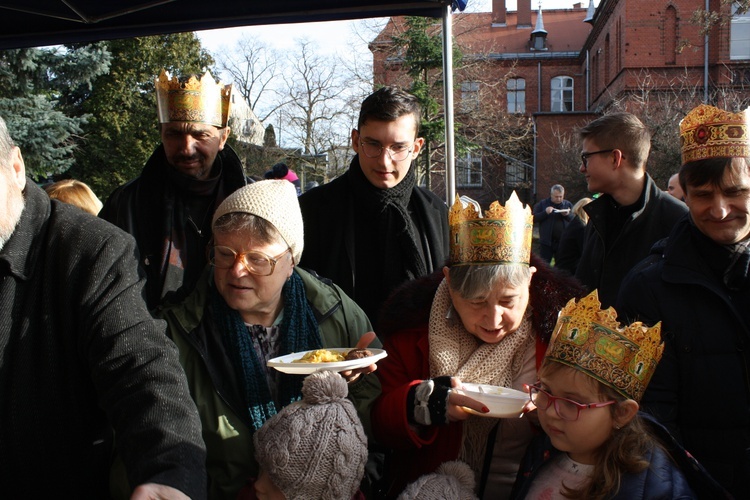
x=196 y=99
x=502 y=236
x=591 y=340
x=710 y=132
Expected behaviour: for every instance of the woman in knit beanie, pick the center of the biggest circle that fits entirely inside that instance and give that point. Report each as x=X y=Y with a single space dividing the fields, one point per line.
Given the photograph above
x=314 y=449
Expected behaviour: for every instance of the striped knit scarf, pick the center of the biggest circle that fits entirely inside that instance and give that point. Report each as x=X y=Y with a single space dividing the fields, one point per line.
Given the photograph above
x=299 y=332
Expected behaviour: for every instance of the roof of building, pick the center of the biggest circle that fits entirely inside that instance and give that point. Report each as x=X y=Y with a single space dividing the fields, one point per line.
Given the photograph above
x=476 y=33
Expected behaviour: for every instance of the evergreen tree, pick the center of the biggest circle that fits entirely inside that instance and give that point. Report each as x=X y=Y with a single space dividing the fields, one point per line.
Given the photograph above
x=39 y=92
x=123 y=129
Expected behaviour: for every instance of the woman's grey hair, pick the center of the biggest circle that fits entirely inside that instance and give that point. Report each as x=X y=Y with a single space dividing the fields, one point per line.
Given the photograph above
x=6 y=143
x=477 y=281
x=261 y=230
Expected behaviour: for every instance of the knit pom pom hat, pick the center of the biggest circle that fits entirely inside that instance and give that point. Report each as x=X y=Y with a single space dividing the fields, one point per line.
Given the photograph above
x=315 y=448
x=274 y=201
x=453 y=480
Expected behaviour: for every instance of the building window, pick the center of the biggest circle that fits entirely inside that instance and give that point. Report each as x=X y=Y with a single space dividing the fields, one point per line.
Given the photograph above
x=516 y=95
x=469 y=169
x=515 y=174
x=739 y=44
x=562 y=93
x=469 y=96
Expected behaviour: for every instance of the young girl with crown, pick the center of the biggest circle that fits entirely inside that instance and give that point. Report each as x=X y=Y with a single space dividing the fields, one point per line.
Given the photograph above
x=596 y=444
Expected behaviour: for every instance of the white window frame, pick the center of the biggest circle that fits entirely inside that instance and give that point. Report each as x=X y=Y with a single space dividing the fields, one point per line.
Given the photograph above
x=739 y=37
x=469 y=169
x=516 y=90
x=469 y=97
x=562 y=95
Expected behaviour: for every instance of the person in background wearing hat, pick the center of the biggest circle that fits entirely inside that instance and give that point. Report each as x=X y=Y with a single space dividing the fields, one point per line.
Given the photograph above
x=313 y=449
x=454 y=480
x=168 y=207
x=596 y=444
x=252 y=304
x=631 y=214
x=485 y=319
x=282 y=171
x=81 y=356
x=696 y=283
x=373 y=228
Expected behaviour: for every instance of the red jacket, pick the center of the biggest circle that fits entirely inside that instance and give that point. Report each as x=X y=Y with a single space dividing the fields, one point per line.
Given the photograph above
x=404 y=332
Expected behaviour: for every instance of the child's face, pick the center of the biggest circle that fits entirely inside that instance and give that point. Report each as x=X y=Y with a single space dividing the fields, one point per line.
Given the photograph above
x=580 y=438
x=265 y=489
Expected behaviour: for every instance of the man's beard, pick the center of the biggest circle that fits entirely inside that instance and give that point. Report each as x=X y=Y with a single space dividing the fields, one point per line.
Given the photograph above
x=13 y=209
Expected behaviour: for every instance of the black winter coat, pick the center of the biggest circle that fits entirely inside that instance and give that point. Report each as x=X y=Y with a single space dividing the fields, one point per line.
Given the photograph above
x=328 y=212
x=700 y=389
x=604 y=267
x=80 y=355
x=146 y=208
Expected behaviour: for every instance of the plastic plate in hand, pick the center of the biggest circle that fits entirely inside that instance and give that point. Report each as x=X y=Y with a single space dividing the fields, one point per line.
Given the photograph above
x=286 y=363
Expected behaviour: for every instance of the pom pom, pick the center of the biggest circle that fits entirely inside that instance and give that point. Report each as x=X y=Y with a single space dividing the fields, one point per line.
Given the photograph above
x=460 y=470
x=324 y=387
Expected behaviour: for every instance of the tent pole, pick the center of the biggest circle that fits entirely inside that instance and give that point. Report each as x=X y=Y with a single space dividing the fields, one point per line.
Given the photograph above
x=450 y=178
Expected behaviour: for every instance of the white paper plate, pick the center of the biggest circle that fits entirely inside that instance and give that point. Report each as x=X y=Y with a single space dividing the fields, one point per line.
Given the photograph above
x=285 y=363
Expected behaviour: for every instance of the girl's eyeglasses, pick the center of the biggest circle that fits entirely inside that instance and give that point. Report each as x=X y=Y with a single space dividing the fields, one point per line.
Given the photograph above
x=566 y=409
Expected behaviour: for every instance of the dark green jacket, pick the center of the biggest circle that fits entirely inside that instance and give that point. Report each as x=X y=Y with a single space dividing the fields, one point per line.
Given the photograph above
x=226 y=427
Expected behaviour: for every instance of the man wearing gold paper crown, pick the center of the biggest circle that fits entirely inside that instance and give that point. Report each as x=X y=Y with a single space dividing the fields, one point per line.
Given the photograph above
x=631 y=214
x=373 y=228
x=696 y=283
x=484 y=319
x=596 y=443
x=168 y=208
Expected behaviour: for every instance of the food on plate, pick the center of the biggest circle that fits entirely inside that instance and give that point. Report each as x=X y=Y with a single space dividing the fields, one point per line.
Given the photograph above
x=320 y=356
x=358 y=354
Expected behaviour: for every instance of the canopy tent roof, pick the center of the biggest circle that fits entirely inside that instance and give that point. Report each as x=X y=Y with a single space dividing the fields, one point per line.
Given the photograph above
x=34 y=23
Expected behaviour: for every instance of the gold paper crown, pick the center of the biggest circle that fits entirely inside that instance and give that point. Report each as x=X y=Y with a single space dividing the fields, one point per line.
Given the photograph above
x=591 y=340
x=194 y=100
x=502 y=236
x=709 y=132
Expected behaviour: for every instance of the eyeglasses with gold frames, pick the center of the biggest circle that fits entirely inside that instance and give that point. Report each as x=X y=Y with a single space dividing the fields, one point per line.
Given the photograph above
x=256 y=263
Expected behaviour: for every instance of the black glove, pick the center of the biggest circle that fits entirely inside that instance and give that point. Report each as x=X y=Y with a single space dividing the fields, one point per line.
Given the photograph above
x=428 y=401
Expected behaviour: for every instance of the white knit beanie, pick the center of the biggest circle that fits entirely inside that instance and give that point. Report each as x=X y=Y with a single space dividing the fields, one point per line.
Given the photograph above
x=315 y=449
x=454 y=480
x=272 y=200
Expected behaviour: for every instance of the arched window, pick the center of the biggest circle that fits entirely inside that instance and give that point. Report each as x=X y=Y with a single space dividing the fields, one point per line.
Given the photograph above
x=516 y=88
x=562 y=93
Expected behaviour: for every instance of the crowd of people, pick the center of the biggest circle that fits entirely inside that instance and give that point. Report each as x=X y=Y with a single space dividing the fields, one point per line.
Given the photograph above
x=140 y=340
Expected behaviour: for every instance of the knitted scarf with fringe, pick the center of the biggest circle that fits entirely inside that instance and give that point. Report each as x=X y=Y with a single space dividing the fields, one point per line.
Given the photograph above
x=456 y=352
x=299 y=332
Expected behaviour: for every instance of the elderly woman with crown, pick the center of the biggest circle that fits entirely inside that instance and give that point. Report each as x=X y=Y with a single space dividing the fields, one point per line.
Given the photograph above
x=485 y=319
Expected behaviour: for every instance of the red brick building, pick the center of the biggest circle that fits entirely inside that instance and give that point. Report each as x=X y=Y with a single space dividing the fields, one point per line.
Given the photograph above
x=561 y=68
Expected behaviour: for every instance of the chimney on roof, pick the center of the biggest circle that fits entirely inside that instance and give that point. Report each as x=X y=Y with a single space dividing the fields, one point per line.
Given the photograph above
x=524 y=13
x=498 y=12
